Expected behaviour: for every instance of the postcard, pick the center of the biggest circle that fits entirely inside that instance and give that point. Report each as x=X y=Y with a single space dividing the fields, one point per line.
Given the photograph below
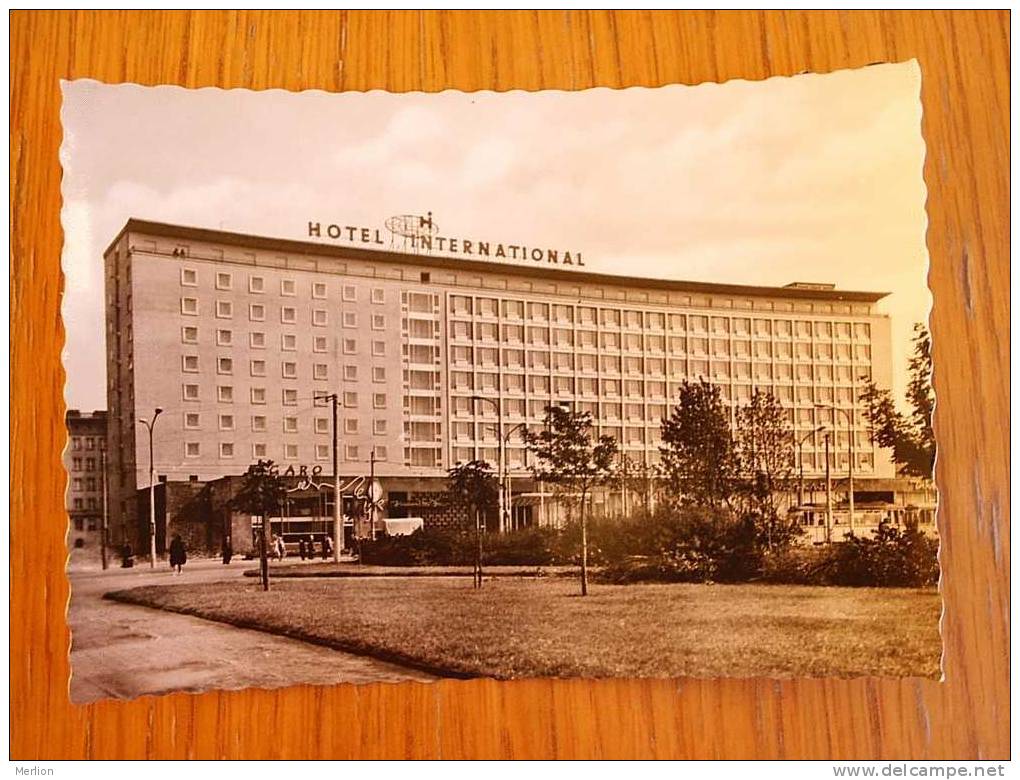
x=375 y=387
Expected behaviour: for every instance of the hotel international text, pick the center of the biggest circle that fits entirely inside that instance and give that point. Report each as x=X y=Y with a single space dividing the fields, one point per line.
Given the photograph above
x=457 y=246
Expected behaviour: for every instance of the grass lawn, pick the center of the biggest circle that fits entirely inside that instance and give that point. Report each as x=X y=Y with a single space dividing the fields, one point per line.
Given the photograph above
x=516 y=627
x=331 y=569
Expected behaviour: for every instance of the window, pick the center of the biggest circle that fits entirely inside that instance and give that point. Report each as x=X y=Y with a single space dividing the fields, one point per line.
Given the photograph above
x=192 y=449
x=225 y=393
x=350 y=399
x=257 y=340
x=189 y=277
x=379 y=400
x=189 y=306
x=189 y=363
x=258 y=368
x=351 y=425
x=378 y=322
x=289 y=396
x=191 y=420
x=224 y=338
x=320 y=371
x=256 y=284
x=290 y=451
x=224 y=309
x=190 y=392
x=319 y=344
x=322 y=452
x=287 y=287
x=226 y=422
x=288 y=342
x=258 y=395
x=224 y=281
x=258 y=450
x=290 y=424
x=288 y=369
x=224 y=365
x=378 y=374
x=258 y=423
x=319 y=290
x=288 y=315
x=351 y=452
x=378 y=295
x=320 y=317
x=378 y=348
x=350 y=346
x=350 y=319
x=189 y=334
x=350 y=293
x=351 y=373
x=321 y=425
x=256 y=312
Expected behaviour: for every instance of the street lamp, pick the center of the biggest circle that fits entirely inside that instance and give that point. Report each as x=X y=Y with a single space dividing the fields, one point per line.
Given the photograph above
x=800 y=458
x=507 y=478
x=850 y=447
x=152 y=488
x=499 y=453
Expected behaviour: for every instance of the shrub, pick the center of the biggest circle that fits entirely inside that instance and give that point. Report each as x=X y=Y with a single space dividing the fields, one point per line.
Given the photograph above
x=438 y=547
x=893 y=558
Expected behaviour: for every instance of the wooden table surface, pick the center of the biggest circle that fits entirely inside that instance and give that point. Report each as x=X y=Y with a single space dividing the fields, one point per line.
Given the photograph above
x=964 y=58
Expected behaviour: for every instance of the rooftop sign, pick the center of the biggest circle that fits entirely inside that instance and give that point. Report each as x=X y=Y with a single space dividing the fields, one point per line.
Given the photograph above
x=420 y=235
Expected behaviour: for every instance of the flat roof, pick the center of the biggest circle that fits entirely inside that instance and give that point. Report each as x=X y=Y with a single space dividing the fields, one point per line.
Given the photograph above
x=296 y=247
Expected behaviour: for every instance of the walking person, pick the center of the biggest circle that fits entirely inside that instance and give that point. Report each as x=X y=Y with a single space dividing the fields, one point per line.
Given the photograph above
x=327 y=547
x=227 y=550
x=302 y=548
x=178 y=554
x=281 y=547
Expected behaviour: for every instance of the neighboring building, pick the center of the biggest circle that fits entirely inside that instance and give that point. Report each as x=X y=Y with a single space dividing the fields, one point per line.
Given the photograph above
x=83 y=459
x=238 y=337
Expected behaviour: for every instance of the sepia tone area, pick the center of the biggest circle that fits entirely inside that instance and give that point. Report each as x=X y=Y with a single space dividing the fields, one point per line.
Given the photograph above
x=865 y=718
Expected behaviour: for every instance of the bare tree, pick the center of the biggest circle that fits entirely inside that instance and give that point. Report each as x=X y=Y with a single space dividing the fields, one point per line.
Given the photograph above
x=473 y=486
x=568 y=458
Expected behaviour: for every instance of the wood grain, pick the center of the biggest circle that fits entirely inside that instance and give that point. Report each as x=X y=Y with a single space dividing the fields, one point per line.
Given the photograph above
x=964 y=59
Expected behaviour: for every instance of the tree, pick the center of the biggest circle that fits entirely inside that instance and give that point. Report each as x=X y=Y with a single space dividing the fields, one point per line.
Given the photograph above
x=262 y=493
x=698 y=457
x=636 y=481
x=765 y=454
x=474 y=487
x=911 y=438
x=568 y=458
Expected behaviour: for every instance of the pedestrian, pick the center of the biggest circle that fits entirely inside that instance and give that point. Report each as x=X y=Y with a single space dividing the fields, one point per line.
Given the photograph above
x=327 y=547
x=178 y=555
x=127 y=555
x=302 y=548
x=281 y=547
x=227 y=550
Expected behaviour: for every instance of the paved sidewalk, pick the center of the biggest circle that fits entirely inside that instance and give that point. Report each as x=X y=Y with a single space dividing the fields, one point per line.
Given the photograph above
x=124 y=651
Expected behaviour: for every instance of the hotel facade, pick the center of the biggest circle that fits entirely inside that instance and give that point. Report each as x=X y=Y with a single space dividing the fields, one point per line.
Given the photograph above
x=238 y=338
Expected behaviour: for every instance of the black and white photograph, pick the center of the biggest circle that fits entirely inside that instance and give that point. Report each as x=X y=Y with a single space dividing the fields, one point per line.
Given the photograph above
x=396 y=387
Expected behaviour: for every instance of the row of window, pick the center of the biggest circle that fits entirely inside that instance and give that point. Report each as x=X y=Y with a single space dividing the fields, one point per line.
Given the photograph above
x=79 y=505
x=636 y=342
x=257 y=395
x=290 y=424
x=227 y=449
x=288 y=369
x=86 y=464
x=288 y=314
x=634 y=319
x=87 y=443
x=807 y=415
x=538 y=384
x=569 y=362
x=224 y=280
x=288 y=341
x=89 y=484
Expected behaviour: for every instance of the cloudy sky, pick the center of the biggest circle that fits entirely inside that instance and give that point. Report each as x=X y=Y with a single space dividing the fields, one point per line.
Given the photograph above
x=812 y=178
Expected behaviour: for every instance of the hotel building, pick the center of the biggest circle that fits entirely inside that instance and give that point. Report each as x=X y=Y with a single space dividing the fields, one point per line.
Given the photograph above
x=237 y=338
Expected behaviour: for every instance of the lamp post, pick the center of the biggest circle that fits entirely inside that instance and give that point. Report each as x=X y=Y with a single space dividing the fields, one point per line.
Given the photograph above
x=800 y=458
x=507 y=478
x=152 y=488
x=499 y=454
x=850 y=446
x=828 y=492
